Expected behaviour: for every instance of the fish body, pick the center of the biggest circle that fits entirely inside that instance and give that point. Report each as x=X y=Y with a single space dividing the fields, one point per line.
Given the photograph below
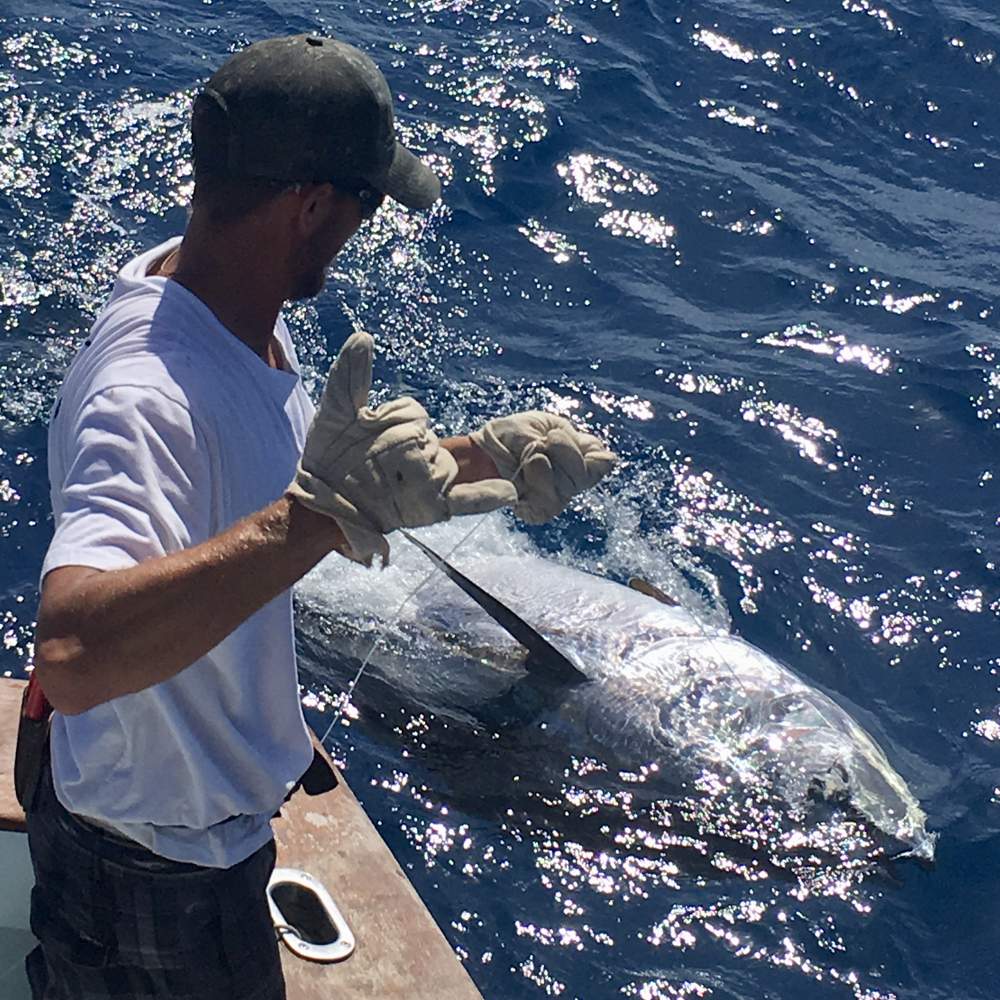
x=660 y=687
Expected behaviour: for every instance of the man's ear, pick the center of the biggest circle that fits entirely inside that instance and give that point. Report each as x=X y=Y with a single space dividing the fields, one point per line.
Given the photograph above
x=319 y=203
x=316 y=203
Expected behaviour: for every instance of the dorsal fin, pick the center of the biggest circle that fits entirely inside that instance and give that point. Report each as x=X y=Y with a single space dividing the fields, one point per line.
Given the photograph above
x=645 y=587
x=544 y=659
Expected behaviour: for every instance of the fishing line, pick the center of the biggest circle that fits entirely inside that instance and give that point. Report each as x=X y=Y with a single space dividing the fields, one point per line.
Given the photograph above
x=345 y=700
x=380 y=634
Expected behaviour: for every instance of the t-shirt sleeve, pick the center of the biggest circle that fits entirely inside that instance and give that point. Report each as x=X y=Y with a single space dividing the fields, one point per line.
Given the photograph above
x=137 y=482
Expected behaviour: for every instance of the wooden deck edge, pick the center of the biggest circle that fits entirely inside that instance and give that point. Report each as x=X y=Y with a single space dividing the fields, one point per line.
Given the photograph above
x=11 y=813
x=401 y=952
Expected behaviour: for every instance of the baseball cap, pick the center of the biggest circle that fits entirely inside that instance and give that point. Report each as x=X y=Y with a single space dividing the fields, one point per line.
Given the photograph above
x=306 y=108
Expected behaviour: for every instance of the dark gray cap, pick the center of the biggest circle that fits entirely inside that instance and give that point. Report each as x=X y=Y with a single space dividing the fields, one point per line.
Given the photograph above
x=305 y=108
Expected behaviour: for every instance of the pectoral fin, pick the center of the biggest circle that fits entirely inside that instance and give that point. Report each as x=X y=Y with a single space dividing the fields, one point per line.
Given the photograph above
x=544 y=660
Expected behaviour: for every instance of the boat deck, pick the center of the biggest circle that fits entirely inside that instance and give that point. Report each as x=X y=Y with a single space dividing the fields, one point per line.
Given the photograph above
x=400 y=950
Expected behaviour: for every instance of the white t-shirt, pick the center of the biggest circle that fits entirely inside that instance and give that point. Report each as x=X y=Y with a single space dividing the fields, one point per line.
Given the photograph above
x=166 y=431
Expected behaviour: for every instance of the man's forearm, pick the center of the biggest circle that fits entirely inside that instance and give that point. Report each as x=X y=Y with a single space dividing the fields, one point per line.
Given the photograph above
x=105 y=634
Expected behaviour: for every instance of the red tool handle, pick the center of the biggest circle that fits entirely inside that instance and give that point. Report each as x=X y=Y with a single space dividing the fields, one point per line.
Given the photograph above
x=36 y=705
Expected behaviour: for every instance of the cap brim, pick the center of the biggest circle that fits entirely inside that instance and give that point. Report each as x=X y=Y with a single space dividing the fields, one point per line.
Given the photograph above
x=409 y=180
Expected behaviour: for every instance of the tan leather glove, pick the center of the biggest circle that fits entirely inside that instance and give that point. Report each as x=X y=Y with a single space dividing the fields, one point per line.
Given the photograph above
x=378 y=470
x=547 y=459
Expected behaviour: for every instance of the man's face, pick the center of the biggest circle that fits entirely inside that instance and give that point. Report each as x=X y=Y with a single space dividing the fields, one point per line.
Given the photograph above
x=319 y=249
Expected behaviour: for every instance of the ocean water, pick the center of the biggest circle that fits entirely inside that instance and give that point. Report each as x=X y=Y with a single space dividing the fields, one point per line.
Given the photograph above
x=755 y=245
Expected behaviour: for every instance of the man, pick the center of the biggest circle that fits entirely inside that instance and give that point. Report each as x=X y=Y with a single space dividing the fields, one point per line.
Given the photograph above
x=164 y=633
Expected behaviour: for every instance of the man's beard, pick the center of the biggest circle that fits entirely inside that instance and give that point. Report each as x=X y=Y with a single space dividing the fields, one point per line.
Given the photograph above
x=313 y=261
x=309 y=284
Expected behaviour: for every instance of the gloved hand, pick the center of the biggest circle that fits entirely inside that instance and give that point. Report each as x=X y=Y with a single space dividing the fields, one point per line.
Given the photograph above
x=378 y=470
x=547 y=459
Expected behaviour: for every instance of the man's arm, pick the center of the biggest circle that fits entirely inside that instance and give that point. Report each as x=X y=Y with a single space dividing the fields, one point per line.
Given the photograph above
x=105 y=634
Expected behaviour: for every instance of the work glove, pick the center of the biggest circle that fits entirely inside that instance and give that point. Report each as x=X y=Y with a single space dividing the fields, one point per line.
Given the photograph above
x=377 y=470
x=546 y=458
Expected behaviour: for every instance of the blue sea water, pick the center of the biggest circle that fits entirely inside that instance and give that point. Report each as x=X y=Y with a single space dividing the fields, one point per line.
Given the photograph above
x=754 y=244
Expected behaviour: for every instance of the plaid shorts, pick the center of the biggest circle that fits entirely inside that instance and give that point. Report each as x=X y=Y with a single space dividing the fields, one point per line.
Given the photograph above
x=115 y=920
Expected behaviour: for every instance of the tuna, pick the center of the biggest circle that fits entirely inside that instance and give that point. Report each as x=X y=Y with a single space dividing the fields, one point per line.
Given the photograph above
x=657 y=686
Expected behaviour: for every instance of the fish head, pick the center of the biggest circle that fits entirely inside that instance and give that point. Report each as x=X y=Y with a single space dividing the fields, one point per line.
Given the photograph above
x=878 y=792
x=824 y=756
